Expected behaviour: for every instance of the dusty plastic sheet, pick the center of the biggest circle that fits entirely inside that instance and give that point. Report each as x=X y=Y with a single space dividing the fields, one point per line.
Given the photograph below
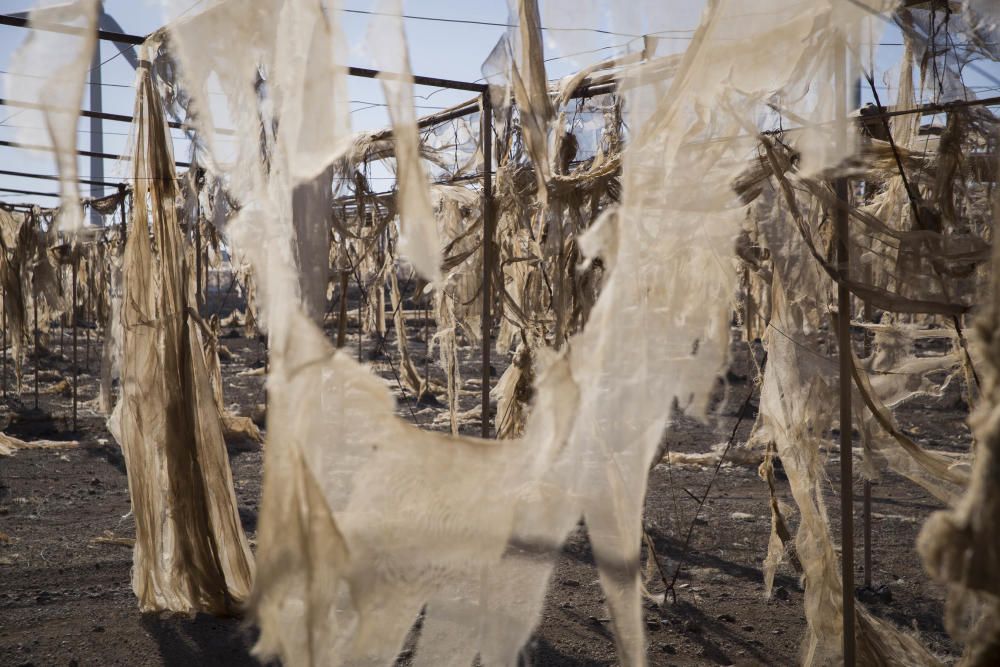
x=344 y=571
x=960 y=546
x=235 y=428
x=30 y=276
x=190 y=552
x=50 y=70
x=798 y=383
x=939 y=474
x=892 y=376
x=111 y=351
x=516 y=73
x=470 y=528
x=457 y=301
x=13 y=271
x=418 y=237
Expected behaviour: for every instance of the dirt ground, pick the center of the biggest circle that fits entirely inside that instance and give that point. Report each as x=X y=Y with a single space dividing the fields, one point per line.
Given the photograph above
x=66 y=599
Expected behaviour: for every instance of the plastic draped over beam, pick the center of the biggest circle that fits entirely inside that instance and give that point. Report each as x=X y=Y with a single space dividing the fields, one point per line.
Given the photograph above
x=49 y=72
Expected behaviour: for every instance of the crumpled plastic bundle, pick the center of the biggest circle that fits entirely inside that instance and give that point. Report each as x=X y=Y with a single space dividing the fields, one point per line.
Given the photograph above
x=13 y=271
x=191 y=553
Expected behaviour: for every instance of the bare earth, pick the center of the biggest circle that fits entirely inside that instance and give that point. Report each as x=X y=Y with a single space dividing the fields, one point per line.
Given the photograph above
x=66 y=599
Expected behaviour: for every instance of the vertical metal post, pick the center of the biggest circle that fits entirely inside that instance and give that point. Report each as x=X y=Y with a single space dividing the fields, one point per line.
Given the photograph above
x=198 y=296
x=361 y=298
x=867 y=508
x=844 y=354
x=96 y=125
x=342 y=319
x=868 y=534
x=4 y=379
x=73 y=312
x=34 y=308
x=124 y=211
x=486 y=138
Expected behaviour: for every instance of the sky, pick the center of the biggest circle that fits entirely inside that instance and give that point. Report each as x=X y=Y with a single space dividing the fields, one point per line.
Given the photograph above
x=442 y=43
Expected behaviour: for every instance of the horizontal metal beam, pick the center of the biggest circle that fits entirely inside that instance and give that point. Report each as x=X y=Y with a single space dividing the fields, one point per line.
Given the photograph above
x=941 y=107
x=106 y=35
x=48 y=149
x=103 y=115
x=51 y=177
x=34 y=193
x=460 y=111
x=421 y=80
x=123 y=38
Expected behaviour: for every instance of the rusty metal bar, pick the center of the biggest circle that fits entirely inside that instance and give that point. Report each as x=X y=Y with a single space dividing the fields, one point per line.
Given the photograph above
x=38 y=357
x=74 y=313
x=53 y=177
x=342 y=316
x=34 y=193
x=105 y=35
x=866 y=515
x=486 y=139
x=49 y=149
x=366 y=73
x=3 y=381
x=199 y=298
x=844 y=354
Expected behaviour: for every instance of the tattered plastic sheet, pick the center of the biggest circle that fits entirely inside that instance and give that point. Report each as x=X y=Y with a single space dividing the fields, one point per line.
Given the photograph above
x=191 y=553
x=49 y=72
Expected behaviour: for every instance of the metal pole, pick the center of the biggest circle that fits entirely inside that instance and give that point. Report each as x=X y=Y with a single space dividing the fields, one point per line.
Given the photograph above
x=96 y=126
x=124 y=212
x=4 y=379
x=76 y=369
x=198 y=296
x=361 y=295
x=868 y=534
x=342 y=321
x=34 y=308
x=486 y=136
x=867 y=509
x=844 y=354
